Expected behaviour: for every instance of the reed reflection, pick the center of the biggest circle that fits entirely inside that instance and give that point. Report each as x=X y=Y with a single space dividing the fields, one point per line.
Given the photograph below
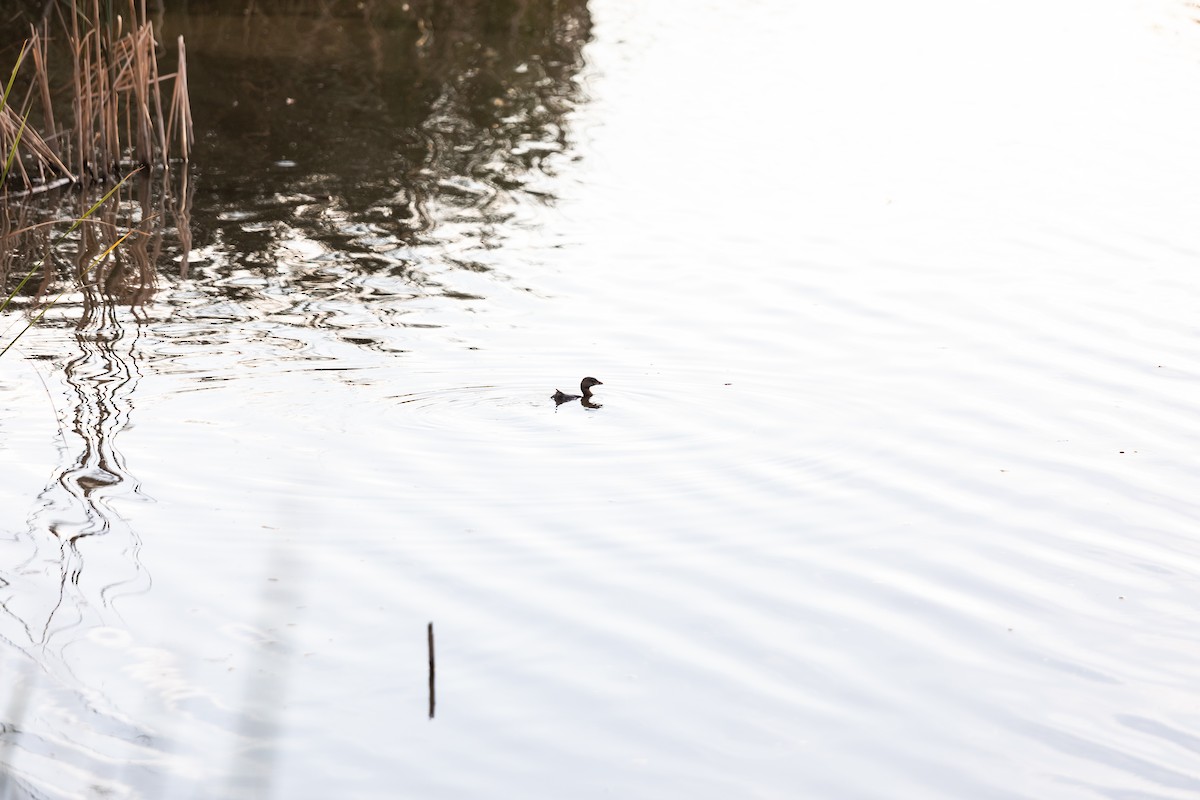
x=76 y=504
x=77 y=556
x=100 y=293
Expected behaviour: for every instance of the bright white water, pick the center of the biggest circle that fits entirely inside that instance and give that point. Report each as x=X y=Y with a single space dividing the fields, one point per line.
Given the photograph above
x=892 y=494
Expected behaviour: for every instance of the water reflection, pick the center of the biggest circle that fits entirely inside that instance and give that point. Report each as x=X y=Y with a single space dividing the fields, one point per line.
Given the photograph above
x=75 y=507
x=358 y=161
x=409 y=136
x=51 y=591
x=903 y=542
x=80 y=263
x=77 y=557
x=77 y=503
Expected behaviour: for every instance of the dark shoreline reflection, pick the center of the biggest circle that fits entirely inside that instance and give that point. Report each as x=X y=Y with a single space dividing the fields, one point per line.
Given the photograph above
x=354 y=156
x=376 y=128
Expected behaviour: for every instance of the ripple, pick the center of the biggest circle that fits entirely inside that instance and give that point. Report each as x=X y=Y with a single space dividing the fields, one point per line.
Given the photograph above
x=882 y=499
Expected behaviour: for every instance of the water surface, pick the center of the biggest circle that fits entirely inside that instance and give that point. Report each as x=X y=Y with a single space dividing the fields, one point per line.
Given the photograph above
x=891 y=493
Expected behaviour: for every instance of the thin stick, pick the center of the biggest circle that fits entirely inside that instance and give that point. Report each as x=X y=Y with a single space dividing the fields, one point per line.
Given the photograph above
x=432 y=670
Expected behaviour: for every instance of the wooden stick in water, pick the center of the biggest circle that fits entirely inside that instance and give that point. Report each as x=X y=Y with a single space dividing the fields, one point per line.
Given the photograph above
x=431 y=671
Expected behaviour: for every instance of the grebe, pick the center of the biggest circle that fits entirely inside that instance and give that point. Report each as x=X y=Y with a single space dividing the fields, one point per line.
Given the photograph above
x=585 y=386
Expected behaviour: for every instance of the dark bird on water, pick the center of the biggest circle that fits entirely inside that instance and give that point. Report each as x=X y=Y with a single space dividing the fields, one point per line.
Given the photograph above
x=585 y=386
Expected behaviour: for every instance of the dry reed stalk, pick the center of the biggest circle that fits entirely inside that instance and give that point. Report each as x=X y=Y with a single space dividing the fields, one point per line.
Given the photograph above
x=31 y=141
x=131 y=72
x=154 y=80
x=37 y=45
x=81 y=99
x=117 y=104
x=151 y=80
x=118 y=110
x=117 y=99
x=130 y=77
x=108 y=151
x=181 y=107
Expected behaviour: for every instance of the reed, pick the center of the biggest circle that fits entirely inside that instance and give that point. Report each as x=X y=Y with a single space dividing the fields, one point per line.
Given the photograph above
x=114 y=98
x=105 y=61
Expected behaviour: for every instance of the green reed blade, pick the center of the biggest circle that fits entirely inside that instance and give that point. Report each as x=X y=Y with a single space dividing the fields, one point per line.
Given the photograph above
x=13 y=77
